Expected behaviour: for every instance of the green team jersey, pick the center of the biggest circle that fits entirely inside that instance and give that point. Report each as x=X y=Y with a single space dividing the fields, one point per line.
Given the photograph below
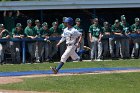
x=17 y=33
x=9 y=22
x=54 y=32
x=37 y=30
x=106 y=30
x=134 y=28
x=118 y=29
x=95 y=30
x=79 y=28
x=5 y=33
x=61 y=27
x=126 y=28
x=29 y=31
x=44 y=33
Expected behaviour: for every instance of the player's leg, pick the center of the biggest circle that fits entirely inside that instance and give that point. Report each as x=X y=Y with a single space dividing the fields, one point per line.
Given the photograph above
x=31 y=48
x=37 y=52
x=127 y=52
x=40 y=51
x=94 y=48
x=62 y=48
x=81 y=48
x=12 y=50
x=73 y=54
x=47 y=50
x=64 y=57
x=122 y=48
x=54 y=49
x=17 y=51
x=117 y=48
x=1 y=53
x=105 y=45
x=136 y=48
x=100 y=49
x=111 y=46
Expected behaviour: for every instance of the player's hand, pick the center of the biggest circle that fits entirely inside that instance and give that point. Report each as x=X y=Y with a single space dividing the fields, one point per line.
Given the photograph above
x=21 y=36
x=99 y=40
x=8 y=36
x=3 y=31
x=57 y=45
x=77 y=45
x=91 y=40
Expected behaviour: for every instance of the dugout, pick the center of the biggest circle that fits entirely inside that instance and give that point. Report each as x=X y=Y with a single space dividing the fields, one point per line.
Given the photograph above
x=52 y=10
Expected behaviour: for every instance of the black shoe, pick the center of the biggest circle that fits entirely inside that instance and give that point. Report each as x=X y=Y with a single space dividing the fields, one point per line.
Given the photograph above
x=54 y=70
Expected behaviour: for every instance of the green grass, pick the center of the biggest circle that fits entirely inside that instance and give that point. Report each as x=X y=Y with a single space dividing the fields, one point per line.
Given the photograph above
x=45 y=66
x=101 y=83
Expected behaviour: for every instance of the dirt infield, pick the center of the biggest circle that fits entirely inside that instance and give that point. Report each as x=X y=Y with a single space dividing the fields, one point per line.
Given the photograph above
x=17 y=79
x=7 y=80
x=16 y=91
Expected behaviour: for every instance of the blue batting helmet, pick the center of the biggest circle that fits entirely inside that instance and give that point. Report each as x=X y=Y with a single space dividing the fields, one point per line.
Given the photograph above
x=69 y=20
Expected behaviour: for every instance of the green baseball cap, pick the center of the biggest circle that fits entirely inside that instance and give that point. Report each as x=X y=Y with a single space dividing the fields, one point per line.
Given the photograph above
x=77 y=20
x=29 y=21
x=116 y=21
x=137 y=19
x=54 y=23
x=1 y=25
x=37 y=21
x=64 y=18
x=18 y=25
x=45 y=24
x=95 y=19
x=106 y=23
x=123 y=17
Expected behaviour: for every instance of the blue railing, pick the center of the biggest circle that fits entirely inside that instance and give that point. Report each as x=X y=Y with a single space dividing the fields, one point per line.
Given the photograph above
x=24 y=40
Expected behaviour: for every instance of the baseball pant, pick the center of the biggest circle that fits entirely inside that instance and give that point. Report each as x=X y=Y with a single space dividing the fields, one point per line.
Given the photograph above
x=125 y=51
x=3 y=47
x=135 y=51
x=39 y=50
x=96 y=49
x=105 y=45
x=31 y=48
x=16 y=51
x=62 y=48
x=69 y=52
x=53 y=49
x=81 y=45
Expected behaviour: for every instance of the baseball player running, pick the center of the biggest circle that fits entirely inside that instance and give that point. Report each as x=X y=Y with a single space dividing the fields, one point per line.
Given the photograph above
x=73 y=38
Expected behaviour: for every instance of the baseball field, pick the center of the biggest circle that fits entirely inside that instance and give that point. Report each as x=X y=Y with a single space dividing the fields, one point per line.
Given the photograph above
x=113 y=81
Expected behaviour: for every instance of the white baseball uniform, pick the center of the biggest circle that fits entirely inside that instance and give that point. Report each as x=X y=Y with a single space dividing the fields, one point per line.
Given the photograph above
x=70 y=35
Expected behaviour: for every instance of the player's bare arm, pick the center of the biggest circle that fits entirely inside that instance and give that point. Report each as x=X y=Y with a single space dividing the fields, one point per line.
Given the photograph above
x=90 y=37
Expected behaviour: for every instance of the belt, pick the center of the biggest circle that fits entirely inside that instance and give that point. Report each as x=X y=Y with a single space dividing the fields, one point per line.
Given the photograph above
x=70 y=44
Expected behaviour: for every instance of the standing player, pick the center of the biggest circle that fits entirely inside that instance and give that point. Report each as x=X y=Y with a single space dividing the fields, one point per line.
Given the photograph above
x=17 y=32
x=126 y=31
x=79 y=28
x=95 y=35
x=30 y=33
x=73 y=38
x=61 y=28
x=39 y=44
x=45 y=33
x=117 y=31
x=53 y=33
x=4 y=34
x=105 y=41
x=135 y=29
